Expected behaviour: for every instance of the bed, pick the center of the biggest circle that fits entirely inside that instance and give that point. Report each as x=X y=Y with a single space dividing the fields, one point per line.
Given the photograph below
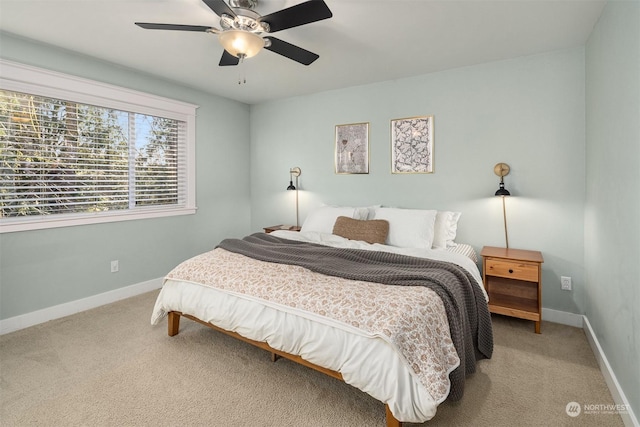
x=393 y=315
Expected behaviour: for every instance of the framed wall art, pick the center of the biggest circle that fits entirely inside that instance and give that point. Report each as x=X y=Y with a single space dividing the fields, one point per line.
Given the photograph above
x=352 y=148
x=412 y=145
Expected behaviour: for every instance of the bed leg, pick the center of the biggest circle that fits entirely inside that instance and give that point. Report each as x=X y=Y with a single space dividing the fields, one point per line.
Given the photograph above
x=274 y=357
x=173 y=323
x=391 y=420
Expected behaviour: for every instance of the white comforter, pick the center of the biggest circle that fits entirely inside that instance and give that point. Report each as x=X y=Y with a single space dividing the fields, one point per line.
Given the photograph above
x=368 y=361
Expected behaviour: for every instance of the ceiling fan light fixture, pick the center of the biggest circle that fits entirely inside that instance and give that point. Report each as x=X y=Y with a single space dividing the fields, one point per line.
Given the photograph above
x=242 y=29
x=241 y=43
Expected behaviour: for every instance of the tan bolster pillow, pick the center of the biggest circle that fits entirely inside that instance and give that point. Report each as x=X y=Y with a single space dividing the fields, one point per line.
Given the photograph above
x=370 y=231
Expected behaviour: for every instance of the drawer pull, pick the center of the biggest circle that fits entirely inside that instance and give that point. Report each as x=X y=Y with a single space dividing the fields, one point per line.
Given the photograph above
x=511 y=270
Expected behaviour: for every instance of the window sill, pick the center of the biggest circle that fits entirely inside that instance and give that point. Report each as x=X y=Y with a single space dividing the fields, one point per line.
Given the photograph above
x=11 y=225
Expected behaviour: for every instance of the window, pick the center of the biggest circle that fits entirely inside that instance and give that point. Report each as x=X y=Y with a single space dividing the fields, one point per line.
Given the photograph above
x=73 y=151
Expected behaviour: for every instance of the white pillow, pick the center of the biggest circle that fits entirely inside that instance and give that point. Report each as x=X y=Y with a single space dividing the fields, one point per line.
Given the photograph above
x=408 y=228
x=360 y=212
x=453 y=228
x=366 y=212
x=322 y=219
x=445 y=228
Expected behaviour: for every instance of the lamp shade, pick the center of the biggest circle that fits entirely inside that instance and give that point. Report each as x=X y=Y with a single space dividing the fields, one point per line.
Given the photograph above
x=241 y=43
x=502 y=191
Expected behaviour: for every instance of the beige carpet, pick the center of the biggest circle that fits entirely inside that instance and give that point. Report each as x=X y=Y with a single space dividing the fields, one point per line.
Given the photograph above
x=110 y=367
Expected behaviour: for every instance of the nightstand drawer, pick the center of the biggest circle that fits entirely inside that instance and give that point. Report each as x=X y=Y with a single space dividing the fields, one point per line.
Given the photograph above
x=512 y=270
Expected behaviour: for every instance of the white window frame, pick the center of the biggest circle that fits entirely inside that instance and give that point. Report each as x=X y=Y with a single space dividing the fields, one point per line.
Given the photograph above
x=37 y=81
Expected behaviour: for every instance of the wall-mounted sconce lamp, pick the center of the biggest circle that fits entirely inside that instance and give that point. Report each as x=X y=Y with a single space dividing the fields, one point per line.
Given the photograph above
x=296 y=171
x=502 y=169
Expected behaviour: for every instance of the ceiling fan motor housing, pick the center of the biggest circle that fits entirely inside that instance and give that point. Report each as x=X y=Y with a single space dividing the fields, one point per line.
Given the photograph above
x=244 y=4
x=245 y=20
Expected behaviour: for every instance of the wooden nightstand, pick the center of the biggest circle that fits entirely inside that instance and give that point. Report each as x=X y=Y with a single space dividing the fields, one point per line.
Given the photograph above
x=513 y=280
x=281 y=227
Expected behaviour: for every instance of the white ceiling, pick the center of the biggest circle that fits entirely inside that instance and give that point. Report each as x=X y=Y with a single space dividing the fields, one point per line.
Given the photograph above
x=365 y=41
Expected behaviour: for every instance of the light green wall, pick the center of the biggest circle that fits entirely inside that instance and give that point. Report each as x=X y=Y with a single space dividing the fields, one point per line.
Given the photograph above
x=612 y=214
x=527 y=112
x=40 y=269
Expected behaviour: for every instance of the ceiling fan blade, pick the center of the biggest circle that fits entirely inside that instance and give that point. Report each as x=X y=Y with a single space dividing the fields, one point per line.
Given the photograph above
x=291 y=51
x=178 y=27
x=220 y=7
x=300 y=14
x=228 y=59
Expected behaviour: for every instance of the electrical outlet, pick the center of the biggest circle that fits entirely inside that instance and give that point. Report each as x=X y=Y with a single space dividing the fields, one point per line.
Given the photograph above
x=565 y=283
x=115 y=266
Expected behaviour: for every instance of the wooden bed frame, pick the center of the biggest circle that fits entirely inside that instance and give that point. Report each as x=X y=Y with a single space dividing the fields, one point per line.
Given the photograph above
x=174 y=328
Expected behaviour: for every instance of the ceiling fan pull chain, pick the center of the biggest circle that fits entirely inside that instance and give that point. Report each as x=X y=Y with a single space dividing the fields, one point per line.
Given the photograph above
x=242 y=75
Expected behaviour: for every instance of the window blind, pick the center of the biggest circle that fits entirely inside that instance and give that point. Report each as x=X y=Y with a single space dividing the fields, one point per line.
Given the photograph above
x=62 y=157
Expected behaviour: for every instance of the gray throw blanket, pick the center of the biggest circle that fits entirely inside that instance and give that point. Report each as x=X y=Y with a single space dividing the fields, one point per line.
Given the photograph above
x=464 y=301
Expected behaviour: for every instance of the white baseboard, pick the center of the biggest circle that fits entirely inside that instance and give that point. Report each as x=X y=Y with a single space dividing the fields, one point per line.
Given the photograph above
x=628 y=417
x=57 y=311
x=562 y=317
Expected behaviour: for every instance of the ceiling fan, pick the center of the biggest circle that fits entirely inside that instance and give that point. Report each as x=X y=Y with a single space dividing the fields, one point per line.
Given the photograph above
x=245 y=32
